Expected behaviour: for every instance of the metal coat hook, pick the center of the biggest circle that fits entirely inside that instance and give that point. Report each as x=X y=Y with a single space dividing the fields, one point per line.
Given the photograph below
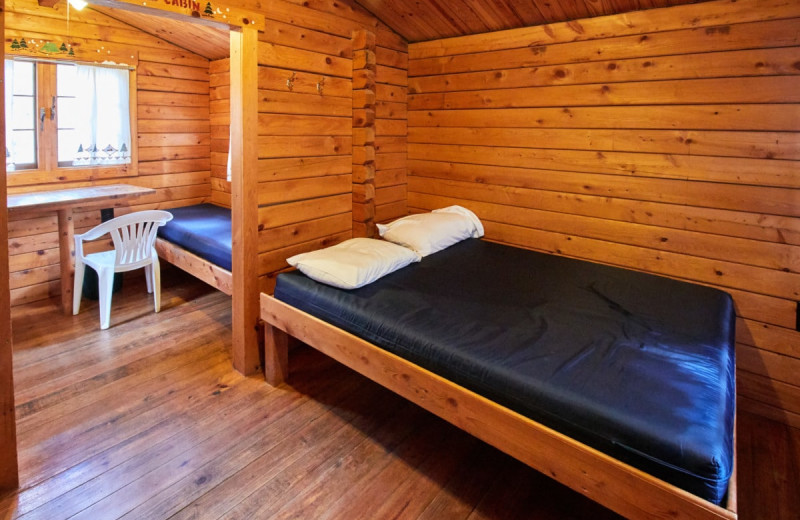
x=320 y=85
x=290 y=81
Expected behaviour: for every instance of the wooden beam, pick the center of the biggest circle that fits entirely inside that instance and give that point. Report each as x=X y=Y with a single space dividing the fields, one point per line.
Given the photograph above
x=66 y=248
x=9 y=476
x=47 y=3
x=244 y=197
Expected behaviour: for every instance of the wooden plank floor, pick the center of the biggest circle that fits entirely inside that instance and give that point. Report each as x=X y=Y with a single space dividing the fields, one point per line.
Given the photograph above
x=147 y=420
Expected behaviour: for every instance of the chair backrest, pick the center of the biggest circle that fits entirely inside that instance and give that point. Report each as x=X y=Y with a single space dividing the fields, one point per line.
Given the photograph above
x=133 y=234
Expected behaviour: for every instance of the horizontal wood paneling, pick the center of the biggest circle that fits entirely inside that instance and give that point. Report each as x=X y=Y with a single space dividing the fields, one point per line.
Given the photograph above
x=306 y=121
x=669 y=146
x=751 y=62
x=219 y=80
x=306 y=141
x=734 y=36
x=173 y=124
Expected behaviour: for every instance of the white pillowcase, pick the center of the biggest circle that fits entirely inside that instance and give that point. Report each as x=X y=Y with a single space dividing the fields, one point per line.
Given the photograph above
x=353 y=263
x=427 y=233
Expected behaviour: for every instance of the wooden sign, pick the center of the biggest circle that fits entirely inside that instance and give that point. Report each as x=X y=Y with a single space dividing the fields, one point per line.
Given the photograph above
x=209 y=12
x=39 y=45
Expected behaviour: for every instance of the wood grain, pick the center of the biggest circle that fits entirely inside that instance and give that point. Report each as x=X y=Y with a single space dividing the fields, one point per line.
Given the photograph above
x=680 y=120
x=244 y=198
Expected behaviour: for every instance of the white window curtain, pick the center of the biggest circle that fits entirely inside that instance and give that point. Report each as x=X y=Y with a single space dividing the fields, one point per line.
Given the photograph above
x=102 y=128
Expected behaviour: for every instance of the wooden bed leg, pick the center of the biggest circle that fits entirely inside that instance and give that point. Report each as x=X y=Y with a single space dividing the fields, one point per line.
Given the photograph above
x=276 y=355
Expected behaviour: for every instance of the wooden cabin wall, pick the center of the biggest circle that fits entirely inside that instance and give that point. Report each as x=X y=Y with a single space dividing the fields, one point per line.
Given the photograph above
x=306 y=125
x=391 y=129
x=220 y=114
x=664 y=141
x=173 y=136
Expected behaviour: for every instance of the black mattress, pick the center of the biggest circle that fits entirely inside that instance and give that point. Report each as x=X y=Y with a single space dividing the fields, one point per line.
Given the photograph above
x=203 y=229
x=638 y=366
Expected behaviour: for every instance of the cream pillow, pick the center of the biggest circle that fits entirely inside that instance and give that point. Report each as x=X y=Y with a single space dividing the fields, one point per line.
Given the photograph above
x=353 y=263
x=427 y=233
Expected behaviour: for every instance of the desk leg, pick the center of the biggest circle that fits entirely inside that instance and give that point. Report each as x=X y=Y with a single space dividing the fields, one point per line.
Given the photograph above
x=66 y=248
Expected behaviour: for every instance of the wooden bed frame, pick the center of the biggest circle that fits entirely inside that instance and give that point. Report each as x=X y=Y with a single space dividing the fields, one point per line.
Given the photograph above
x=618 y=486
x=201 y=268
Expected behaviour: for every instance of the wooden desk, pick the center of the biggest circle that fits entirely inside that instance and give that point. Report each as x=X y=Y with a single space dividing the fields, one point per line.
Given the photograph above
x=63 y=202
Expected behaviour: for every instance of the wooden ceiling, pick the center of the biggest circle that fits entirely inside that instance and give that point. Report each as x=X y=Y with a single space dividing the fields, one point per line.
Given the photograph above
x=206 y=41
x=421 y=20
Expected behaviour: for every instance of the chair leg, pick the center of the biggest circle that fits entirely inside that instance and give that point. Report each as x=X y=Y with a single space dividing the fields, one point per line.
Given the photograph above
x=148 y=277
x=156 y=284
x=77 y=287
x=106 y=282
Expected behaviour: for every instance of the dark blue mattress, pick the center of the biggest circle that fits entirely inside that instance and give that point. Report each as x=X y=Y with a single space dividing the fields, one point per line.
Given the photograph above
x=638 y=366
x=203 y=229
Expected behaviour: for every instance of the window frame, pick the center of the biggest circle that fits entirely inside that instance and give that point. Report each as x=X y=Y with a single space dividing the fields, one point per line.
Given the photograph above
x=48 y=169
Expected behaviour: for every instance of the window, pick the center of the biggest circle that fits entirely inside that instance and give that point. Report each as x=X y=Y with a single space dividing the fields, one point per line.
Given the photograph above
x=66 y=115
x=20 y=115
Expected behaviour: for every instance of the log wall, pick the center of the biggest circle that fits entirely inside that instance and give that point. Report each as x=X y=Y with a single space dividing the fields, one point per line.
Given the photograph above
x=666 y=141
x=391 y=129
x=305 y=136
x=173 y=135
x=220 y=114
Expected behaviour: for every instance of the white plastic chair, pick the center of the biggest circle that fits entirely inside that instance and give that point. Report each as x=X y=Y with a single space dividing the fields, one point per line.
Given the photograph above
x=133 y=235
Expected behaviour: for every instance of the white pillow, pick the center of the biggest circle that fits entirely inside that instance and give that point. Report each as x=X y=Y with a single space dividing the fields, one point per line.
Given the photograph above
x=353 y=263
x=427 y=233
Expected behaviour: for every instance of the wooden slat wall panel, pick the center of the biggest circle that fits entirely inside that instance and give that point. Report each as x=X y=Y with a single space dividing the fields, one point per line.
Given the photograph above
x=220 y=80
x=670 y=147
x=306 y=138
x=174 y=138
x=305 y=133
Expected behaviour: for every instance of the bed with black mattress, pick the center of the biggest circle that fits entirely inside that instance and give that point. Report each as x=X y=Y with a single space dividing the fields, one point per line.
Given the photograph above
x=617 y=383
x=198 y=240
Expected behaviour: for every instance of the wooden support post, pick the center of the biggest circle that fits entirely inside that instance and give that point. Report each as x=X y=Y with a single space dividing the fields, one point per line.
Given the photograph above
x=363 y=133
x=66 y=248
x=276 y=355
x=244 y=198
x=9 y=476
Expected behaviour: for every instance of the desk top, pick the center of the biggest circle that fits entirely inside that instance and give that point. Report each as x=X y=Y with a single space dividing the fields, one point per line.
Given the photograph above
x=90 y=196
